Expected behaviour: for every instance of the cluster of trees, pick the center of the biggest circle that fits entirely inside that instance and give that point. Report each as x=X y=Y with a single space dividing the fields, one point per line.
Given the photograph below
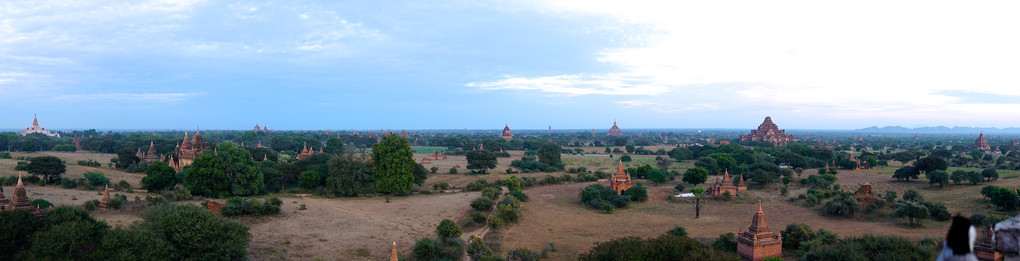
x=547 y=160
x=166 y=232
x=605 y=199
x=826 y=245
x=674 y=245
x=1003 y=198
x=913 y=207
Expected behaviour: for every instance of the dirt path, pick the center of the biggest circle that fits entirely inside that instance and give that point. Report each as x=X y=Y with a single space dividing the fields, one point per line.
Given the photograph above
x=480 y=232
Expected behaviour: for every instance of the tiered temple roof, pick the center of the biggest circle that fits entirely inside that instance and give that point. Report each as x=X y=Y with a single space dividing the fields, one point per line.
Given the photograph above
x=620 y=181
x=981 y=143
x=36 y=128
x=507 y=135
x=615 y=130
x=759 y=241
x=769 y=132
x=721 y=186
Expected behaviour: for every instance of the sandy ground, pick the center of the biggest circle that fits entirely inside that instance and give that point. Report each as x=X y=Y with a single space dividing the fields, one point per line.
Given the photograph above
x=351 y=228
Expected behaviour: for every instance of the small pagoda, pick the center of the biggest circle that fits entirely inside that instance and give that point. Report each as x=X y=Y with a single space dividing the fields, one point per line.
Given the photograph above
x=759 y=242
x=620 y=181
x=724 y=185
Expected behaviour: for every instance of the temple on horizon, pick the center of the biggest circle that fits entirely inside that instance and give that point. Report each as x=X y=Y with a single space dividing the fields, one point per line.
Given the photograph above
x=507 y=135
x=36 y=128
x=768 y=132
x=614 y=131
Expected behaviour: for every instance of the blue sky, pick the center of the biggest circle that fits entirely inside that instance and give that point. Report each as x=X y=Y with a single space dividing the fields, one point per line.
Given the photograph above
x=531 y=64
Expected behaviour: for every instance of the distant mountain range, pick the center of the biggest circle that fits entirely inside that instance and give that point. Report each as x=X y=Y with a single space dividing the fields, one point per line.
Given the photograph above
x=938 y=130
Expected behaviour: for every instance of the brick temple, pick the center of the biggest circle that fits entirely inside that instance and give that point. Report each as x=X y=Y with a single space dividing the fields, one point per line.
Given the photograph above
x=981 y=143
x=721 y=186
x=615 y=130
x=758 y=241
x=507 y=135
x=620 y=181
x=769 y=132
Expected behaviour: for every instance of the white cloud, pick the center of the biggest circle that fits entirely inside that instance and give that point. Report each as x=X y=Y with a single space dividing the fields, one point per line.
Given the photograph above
x=861 y=57
x=129 y=97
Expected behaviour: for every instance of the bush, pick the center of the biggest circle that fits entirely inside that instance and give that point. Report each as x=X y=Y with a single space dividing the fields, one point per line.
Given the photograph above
x=664 y=247
x=678 y=231
x=637 y=194
x=196 y=233
x=602 y=198
x=680 y=187
x=522 y=254
x=182 y=194
x=491 y=192
x=96 y=179
x=40 y=203
x=123 y=185
x=309 y=179
x=238 y=206
x=477 y=217
x=5 y=155
x=453 y=170
x=477 y=185
x=476 y=248
x=68 y=183
x=725 y=243
x=495 y=222
x=869 y=247
x=90 y=205
x=626 y=158
x=428 y=249
x=448 y=230
x=519 y=195
x=586 y=178
x=482 y=204
x=441 y=186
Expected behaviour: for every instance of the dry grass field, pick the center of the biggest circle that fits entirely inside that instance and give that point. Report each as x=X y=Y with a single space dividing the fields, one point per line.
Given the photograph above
x=363 y=228
x=74 y=171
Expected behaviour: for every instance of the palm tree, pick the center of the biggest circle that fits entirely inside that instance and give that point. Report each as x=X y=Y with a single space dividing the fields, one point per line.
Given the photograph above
x=698 y=192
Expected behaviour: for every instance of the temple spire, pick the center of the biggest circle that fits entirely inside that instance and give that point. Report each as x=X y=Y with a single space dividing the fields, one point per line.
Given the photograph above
x=393 y=253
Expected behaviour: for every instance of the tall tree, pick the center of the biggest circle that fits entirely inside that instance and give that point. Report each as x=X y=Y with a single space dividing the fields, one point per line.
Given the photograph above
x=229 y=172
x=49 y=167
x=159 y=176
x=349 y=173
x=394 y=165
x=481 y=161
x=930 y=164
x=126 y=157
x=334 y=146
x=696 y=175
x=940 y=177
x=698 y=193
x=549 y=154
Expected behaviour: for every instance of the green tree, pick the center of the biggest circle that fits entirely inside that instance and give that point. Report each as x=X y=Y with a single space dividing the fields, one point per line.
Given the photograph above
x=230 y=173
x=990 y=174
x=334 y=146
x=159 y=176
x=420 y=174
x=480 y=161
x=16 y=228
x=725 y=243
x=906 y=173
x=126 y=157
x=930 y=164
x=637 y=193
x=958 y=176
x=476 y=249
x=974 y=177
x=549 y=154
x=349 y=174
x=913 y=211
x=1005 y=199
x=49 y=167
x=869 y=247
x=67 y=240
x=698 y=192
x=795 y=234
x=522 y=254
x=845 y=206
x=309 y=179
x=447 y=230
x=134 y=244
x=912 y=195
x=394 y=165
x=938 y=177
x=196 y=233
x=696 y=175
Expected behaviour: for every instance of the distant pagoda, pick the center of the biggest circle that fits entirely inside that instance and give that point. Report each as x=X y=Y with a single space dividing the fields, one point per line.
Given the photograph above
x=507 y=135
x=769 y=132
x=36 y=128
x=615 y=130
x=981 y=143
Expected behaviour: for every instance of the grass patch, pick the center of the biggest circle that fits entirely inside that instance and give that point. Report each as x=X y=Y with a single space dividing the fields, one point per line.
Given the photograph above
x=421 y=149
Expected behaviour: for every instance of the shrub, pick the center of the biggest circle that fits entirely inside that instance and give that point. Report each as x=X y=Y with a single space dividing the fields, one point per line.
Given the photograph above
x=522 y=254
x=476 y=248
x=519 y=195
x=5 y=155
x=429 y=249
x=477 y=185
x=434 y=169
x=602 y=198
x=238 y=206
x=448 y=230
x=453 y=170
x=625 y=158
x=90 y=205
x=155 y=200
x=495 y=222
x=309 y=179
x=491 y=192
x=40 y=203
x=586 y=178
x=477 y=216
x=482 y=204
x=680 y=187
x=637 y=194
x=441 y=186
x=725 y=242
x=182 y=194
x=68 y=183
x=96 y=179
x=678 y=231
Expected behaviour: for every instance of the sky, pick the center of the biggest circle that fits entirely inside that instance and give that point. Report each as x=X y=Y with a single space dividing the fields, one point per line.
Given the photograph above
x=568 y=64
